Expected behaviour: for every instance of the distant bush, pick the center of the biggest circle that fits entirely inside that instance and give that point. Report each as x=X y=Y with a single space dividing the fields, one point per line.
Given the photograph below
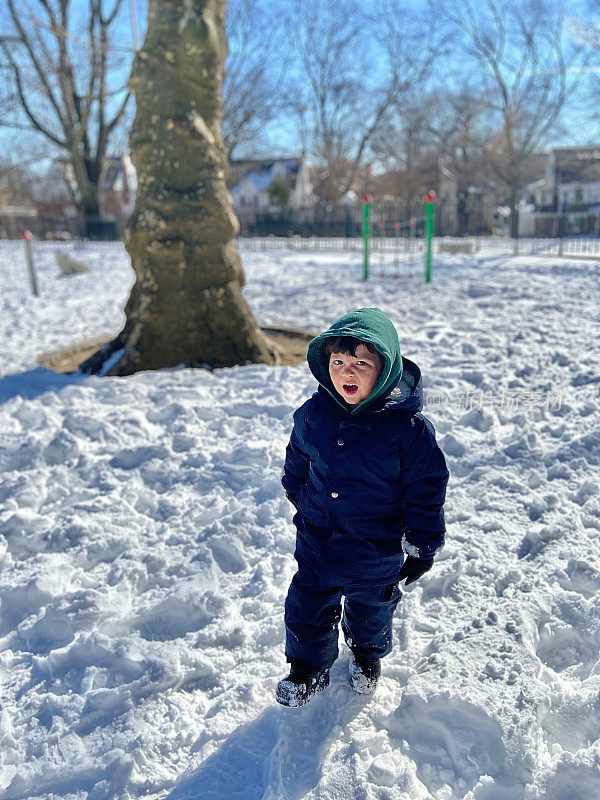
x=279 y=192
x=69 y=265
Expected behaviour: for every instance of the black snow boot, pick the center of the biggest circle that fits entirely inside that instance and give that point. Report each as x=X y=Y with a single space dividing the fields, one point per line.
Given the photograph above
x=301 y=685
x=364 y=673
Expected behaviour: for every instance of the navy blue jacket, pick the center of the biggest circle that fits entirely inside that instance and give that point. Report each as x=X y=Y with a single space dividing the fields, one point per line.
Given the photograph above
x=376 y=480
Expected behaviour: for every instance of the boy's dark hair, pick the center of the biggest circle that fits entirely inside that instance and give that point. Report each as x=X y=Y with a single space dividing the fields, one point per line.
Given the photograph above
x=347 y=345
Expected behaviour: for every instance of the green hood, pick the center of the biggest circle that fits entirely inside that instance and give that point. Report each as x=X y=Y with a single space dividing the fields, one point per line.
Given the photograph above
x=369 y=325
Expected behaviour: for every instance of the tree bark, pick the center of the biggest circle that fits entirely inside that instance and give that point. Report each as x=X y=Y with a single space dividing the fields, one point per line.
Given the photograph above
x=186 y=305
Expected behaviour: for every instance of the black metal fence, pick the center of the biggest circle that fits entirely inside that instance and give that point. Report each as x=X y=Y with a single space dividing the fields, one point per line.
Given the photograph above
x=342 y=221
x=388 y=219
x=59 y=227
x=396 y=221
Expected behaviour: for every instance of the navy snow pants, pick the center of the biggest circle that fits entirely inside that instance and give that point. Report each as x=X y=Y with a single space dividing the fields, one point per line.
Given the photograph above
x=313 y=607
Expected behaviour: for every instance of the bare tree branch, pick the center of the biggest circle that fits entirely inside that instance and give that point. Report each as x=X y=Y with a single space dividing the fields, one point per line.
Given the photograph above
x=37 y=124
x=341 y=100
x=253 y=91
x=118 y=114
x=113 y=14
x=26 y=41
x=53 y=68
x=520 y=48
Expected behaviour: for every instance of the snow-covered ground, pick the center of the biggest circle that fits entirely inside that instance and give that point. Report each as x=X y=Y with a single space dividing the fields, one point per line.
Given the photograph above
x=146 y=549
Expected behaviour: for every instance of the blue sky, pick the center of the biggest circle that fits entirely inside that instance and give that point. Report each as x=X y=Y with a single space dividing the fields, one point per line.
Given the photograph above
x=581 y=124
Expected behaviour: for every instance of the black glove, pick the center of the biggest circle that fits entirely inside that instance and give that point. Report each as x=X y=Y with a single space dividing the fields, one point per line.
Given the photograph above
x=293 y=499
x=413 y=568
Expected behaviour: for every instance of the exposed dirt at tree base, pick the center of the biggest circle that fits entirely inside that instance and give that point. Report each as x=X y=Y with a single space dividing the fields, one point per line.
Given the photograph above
x=291 y=345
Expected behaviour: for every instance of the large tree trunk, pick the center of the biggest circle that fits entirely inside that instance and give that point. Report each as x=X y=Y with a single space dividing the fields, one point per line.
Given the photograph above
x=186 y=305
x=88 y=183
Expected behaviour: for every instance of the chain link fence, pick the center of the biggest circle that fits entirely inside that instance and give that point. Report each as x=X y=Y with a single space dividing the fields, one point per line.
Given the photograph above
x=385 y=248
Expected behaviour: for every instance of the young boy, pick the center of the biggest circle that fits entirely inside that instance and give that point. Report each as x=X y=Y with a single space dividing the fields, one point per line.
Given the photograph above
x=368 y=481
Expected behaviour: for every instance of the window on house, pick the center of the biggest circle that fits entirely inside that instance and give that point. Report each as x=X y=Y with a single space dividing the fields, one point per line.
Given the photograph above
x=578 y=195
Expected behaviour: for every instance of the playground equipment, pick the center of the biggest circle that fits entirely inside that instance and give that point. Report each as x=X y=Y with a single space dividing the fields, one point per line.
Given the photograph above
x=390 y=243
x=429 y=212
x=367 y=200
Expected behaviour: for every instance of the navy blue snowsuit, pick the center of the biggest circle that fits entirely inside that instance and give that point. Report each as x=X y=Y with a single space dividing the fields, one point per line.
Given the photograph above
x=368 y=482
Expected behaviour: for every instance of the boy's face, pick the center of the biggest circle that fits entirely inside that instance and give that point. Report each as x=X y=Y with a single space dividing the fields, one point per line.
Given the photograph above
x=355 y=376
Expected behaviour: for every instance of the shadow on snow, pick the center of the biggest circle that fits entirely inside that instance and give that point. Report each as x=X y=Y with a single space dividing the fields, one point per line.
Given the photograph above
x=280 y=754
x=36 y=382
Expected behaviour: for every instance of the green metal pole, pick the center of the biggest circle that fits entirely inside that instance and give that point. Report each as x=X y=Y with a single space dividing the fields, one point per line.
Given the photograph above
x=366 y=233
x=429 y=211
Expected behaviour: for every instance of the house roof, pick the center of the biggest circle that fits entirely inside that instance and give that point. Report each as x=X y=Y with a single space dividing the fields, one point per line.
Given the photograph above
x=261 y=180
x=577 y=164
x=253 y=165
x=261 y=173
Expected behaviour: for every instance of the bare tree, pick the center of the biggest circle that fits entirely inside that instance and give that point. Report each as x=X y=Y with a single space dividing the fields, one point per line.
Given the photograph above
x=67 y=76
x=16 y=182
x=584 y=29
x=529 y=73
x=186 y=305
x=255 y=73
x=428 y=128
x=406 y=152
x=352 y=67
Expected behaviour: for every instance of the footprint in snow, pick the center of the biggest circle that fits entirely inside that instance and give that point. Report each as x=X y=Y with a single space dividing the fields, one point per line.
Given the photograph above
x=441 y=584
x=90 y=661
x=573 y=780
x=51 y=632
x=573 y=722
x=580 y=577
x=452 y=742
x=132 y=458
x=62 y=449
x=562 y=647
x=536 y=541
x=172 y=619
x=19 y=602
x=569 y=641
x=227 y=554
x=479 y=419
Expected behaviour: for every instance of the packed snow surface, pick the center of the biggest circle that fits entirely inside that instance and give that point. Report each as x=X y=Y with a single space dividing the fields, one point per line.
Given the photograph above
x=146 y=548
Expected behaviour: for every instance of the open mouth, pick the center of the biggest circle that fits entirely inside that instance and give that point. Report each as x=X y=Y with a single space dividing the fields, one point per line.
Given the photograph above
x=350 y=388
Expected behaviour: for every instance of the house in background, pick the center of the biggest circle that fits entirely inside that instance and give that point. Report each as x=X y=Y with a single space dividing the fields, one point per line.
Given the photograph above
x=119 y=187
x=250 y=180
x=15 y=218
x=565 y=199
x=463 y=207
x=27 y=199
